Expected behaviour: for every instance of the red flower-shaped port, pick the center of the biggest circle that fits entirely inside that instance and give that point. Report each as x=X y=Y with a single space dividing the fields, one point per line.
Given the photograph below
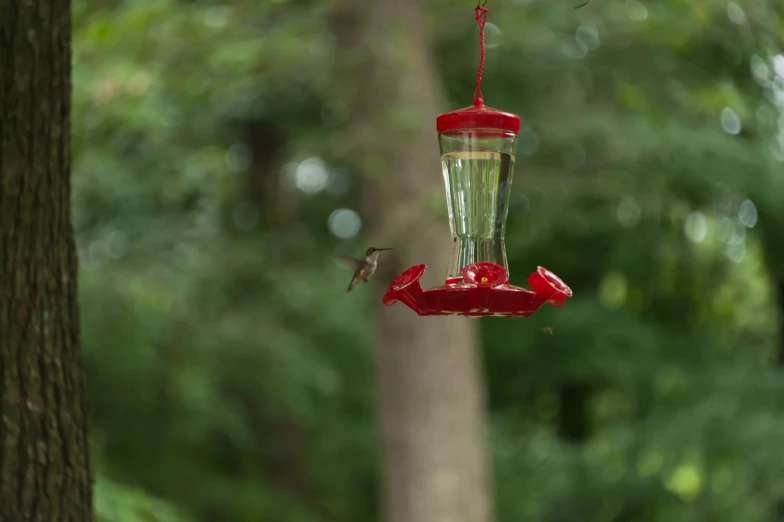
x=545 y=282
x=485 y=274
x=406 y=288
x=483 y=291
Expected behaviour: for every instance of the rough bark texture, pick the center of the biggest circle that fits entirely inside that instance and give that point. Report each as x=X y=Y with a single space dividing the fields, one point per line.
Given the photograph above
x=431 y=393
x=45 y=471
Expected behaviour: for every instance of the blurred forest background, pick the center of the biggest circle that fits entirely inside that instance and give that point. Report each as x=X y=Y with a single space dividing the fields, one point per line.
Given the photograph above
x=224 y=150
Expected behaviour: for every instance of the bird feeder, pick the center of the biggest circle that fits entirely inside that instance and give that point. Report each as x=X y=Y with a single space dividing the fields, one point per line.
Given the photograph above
x=478 y=147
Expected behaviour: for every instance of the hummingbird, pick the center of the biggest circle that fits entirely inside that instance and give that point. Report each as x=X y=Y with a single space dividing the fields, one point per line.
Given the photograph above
x=364 y=269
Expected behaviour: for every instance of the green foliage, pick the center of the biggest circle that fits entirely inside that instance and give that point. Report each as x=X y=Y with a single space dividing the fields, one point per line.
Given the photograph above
x=231 y=376
x=115 y=502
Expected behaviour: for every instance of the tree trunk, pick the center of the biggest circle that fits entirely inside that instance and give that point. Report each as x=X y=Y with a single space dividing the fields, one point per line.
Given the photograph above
x=45 y=470
x=277 y=206
x=780 y=296
x=432 y=403
x=574 y=421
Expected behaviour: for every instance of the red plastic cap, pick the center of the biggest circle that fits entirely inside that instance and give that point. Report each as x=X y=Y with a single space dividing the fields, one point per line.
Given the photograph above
x=478 y=116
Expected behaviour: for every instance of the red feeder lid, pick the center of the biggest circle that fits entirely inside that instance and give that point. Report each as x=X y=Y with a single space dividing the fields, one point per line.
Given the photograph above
x=478 y=116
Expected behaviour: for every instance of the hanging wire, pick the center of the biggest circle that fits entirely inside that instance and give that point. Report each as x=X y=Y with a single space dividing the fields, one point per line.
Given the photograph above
x=481 y=19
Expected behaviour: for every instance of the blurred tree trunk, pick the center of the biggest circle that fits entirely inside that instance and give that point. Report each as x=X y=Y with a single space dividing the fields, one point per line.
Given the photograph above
x=277 y=206
x=780 y=295
x=432 y=403
x=574 y=421
x=45 y=470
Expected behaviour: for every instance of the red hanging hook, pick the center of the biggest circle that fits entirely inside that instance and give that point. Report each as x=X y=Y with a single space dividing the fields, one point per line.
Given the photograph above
x=481 y=19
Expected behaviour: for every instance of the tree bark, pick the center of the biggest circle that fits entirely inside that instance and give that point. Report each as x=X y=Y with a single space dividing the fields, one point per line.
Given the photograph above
x=431 y=392
x=45 y=469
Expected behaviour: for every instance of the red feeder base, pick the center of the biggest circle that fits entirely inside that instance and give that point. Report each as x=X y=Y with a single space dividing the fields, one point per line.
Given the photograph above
x=484 y=291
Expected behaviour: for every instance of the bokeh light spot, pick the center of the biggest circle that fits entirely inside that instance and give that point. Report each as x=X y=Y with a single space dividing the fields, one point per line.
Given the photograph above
x=735 y=14
x=311 y=176
x=730 y=121
x=735 y=252
x=731 y=231
x=573 y=48
x=613 y=290
x=778 y=64
x=493 y=36
x=344 y=223
x=747 y=214
x=117 y=244
x=628 y=212
x=686 y=482
x=759 y=69
x=588 y=35
x=696 y=227
x=239 y=157
x=636 y=11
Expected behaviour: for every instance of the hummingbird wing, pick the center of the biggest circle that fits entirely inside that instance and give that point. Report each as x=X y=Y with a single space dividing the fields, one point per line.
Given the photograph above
x=355 y=280
x=354 y=264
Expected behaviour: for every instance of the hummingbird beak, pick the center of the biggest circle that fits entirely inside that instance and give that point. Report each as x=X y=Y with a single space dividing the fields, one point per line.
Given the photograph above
x=384 y=249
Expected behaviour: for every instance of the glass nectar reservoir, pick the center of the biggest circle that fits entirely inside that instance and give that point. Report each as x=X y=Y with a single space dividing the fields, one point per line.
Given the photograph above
x=478 y=147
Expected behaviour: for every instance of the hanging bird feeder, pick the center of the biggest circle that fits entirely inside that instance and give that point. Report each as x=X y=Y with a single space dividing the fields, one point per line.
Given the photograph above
x=478 y=147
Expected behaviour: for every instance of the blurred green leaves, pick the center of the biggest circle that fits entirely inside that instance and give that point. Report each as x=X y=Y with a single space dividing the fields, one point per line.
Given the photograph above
x=115 y=503
x=232 y=377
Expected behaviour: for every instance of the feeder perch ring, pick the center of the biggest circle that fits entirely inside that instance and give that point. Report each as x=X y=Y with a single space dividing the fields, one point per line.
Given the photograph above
x=484 y=292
